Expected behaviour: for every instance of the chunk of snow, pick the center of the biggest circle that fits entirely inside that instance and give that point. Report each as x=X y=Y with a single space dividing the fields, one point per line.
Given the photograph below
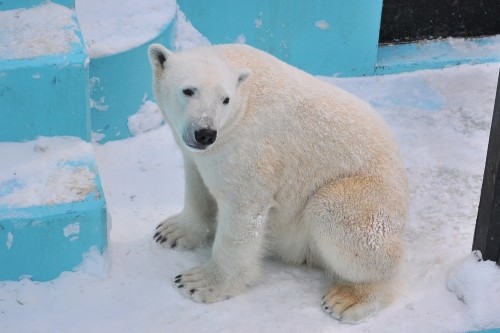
x=71 y=229
x=10 y=240
x=322 y=24
x=94 y=264
x=477 y=284
x=148 y=117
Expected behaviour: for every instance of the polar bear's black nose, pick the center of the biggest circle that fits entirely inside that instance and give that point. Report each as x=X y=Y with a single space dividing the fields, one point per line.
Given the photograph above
x=205 y=136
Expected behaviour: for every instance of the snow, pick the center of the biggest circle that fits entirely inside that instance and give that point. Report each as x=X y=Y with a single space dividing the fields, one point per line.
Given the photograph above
x=113 y=26
x=147 y=118
x=477 y=283
x=48 y=29
x=441 y=119
x=186 y=36
x=10 y=240
x=46 y=171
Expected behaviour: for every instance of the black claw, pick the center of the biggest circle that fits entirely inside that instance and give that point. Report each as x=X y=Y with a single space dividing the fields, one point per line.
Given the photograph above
x=180 y=286
x=174 y=245
x=192 y=291
x=159 y=225
x=178 y=276
x=163 y=240
x=156 y=235
x=177 y=280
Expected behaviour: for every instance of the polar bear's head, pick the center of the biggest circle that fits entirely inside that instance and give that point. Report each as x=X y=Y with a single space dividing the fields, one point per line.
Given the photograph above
x=198 y=93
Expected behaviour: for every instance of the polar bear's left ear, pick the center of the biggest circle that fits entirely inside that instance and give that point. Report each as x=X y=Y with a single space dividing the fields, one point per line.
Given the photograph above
x=243 y=74
x=158 y=54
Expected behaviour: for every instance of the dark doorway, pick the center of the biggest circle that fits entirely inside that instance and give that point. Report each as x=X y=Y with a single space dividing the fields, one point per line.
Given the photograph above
x=410 y=20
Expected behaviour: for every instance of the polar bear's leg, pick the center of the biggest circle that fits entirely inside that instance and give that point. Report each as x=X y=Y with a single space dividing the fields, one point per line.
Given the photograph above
x=236 y=257
x=356 y=226
x=196 y=221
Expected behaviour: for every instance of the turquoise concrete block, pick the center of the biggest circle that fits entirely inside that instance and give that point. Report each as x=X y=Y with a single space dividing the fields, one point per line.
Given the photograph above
x=120 y=83
x=42 y=242
x=324 y=37
x=47 y=95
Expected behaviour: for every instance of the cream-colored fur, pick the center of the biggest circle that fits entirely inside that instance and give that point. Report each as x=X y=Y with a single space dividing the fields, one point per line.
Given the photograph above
x=299 y=169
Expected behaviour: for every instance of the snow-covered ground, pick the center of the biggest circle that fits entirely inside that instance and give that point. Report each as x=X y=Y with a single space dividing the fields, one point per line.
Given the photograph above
x=441 y=119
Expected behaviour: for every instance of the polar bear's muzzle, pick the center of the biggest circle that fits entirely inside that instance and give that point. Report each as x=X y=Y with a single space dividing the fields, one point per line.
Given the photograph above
x=200 y=138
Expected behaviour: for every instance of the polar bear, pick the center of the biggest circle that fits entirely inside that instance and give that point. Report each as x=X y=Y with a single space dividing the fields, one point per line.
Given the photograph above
x=279 y=163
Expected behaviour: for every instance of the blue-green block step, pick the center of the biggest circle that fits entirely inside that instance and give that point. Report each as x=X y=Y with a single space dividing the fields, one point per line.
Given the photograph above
x=52 y=207
x=44 y=72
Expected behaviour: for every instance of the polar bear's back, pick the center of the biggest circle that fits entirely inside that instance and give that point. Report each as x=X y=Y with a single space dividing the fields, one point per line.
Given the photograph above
x=329 y=114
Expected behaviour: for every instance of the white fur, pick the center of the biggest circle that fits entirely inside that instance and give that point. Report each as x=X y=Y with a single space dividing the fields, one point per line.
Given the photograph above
x=300 y=169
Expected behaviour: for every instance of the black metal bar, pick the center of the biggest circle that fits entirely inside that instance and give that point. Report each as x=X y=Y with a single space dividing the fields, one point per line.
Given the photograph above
x=487 y=233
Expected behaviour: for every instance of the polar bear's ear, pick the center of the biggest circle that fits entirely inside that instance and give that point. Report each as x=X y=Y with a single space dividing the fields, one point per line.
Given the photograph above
x=243 y=74
x=158 y=54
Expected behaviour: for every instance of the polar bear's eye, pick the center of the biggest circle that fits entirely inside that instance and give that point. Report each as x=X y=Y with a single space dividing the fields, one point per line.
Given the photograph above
x=188 y=92
x=226 y=100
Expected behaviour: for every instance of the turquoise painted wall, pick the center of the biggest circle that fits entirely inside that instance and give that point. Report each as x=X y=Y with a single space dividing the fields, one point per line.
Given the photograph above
x=326 y=37
x=13 y=4
x=44 y=96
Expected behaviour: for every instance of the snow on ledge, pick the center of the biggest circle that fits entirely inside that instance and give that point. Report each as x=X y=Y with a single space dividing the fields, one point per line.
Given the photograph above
x=113 y=26
x=46 y=171
x=48 y=29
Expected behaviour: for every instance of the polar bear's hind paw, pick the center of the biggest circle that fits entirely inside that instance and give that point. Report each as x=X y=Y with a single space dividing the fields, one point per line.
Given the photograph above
x=352 y=303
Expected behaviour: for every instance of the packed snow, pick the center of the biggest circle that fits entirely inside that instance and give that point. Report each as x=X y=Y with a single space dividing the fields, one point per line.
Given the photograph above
x=441 y=119
x=47 y=29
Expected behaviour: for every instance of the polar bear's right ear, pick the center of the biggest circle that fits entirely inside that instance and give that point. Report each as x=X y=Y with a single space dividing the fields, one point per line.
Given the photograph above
x=243 y=74
x=158 y=54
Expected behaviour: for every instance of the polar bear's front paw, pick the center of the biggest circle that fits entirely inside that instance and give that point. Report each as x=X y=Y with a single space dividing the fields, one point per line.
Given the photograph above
x=173 y=233
x=207 y=285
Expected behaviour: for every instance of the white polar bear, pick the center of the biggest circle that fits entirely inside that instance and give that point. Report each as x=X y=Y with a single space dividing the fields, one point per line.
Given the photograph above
x=280 y=163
